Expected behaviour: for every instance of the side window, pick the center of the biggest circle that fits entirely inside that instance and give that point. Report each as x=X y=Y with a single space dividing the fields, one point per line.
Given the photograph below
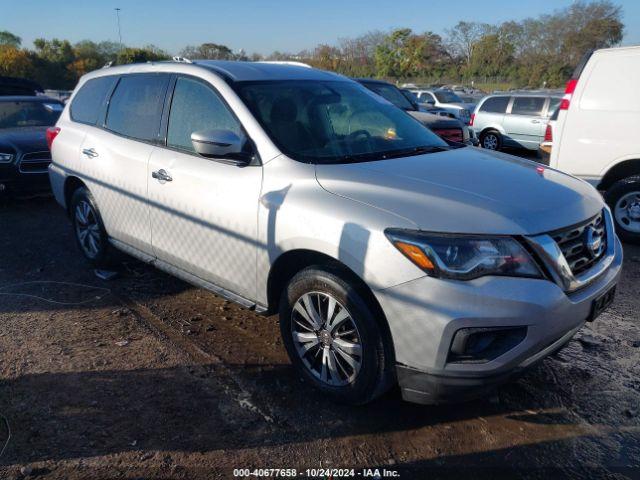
x=531 y=106
x=427 y=97
x=136 y=106
x=87 y=103
x=194 y=107
x=495 y=105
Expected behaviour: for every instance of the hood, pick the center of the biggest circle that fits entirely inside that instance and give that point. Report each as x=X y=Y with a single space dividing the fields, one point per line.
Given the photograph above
x=466 y=190
x=435 y=121
x=23 y=140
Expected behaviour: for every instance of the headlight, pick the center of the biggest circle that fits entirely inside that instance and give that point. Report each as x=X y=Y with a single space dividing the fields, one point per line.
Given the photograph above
x=464 y=257
x=6 y=157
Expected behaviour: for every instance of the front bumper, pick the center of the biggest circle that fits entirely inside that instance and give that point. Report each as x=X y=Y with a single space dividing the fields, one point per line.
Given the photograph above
x=12 y=181
x=425 y=314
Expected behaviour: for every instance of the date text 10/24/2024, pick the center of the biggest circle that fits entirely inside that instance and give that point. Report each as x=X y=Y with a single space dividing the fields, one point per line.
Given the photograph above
x=317 y=473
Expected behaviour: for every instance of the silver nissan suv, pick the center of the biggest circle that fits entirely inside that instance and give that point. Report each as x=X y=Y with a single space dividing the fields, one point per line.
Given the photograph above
x=390 y=255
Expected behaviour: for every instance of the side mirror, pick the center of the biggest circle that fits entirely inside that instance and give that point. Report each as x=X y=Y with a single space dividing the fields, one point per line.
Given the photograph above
x=220 y=144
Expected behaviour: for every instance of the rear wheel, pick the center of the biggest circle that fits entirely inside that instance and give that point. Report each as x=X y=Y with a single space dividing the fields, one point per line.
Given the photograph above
x=90 y=234
x=332 y=336
x=623 y=197
x=491 y=140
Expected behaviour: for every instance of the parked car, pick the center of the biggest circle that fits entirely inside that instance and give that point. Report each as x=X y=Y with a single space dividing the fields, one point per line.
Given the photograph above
x=424 y=107
x=389 y=254
x=448 y=128
x=515 y=120
x=18 y=86
x=595 y=137
x=544 y=150
x=446 y=99
x=24 y=155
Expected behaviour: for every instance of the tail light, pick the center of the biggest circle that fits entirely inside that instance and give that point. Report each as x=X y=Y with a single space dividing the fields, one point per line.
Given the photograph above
x=471 y=119
x=52 y=133
x=548 y=134
x=568 y=93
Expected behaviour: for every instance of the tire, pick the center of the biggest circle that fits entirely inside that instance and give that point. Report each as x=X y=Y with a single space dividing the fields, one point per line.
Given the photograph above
x=623 y=197
x=369 y=372
x=94 y=245
x=491 y=140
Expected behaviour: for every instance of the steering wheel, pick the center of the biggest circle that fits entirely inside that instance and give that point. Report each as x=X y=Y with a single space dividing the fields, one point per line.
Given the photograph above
x=358 y=133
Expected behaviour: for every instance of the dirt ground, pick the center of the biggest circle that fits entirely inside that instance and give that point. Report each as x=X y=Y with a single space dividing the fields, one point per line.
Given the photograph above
x=144 y=376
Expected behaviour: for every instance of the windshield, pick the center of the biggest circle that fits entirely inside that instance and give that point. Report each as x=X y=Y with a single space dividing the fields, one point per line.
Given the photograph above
x=334 y=121
x=391 y=93
x=447 y=97
x=15 y=114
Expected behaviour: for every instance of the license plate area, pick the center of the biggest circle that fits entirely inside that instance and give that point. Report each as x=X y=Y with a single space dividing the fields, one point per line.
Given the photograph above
x=601 y=303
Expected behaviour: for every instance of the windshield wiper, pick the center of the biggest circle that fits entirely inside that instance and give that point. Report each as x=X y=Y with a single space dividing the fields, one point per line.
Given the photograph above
x=407 y=152
x=414 y=151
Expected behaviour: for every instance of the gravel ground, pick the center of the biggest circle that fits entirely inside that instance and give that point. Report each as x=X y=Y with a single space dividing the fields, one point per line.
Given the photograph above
x=144 y=376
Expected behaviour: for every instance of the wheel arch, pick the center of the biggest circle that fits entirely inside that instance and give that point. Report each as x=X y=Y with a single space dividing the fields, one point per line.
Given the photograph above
x=71 y=184
x=620 y=171
x=291 y=262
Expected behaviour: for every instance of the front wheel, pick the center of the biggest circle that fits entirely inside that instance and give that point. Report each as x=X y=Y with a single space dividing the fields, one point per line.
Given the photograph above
x=332 y=336
x=623 y=197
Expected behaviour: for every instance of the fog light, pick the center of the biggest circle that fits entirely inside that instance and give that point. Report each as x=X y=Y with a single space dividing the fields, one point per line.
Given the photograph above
x=483 y=344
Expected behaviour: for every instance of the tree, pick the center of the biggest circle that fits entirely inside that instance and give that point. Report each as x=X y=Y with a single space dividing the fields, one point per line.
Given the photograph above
x=15 y=62
x=140 y=55
x=463 y=37
x=9 y=39
x=51 y=59
x=492 y=56
x=208 y=51
x=405 y=54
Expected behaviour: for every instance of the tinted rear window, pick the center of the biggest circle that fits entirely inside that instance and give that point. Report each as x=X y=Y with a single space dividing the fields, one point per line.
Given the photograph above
x=29 y=114
x=136 y=106
x=495 y=105
x=88 y=101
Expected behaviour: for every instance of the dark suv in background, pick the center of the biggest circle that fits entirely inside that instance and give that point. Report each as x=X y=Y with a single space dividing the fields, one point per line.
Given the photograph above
x=24 y=154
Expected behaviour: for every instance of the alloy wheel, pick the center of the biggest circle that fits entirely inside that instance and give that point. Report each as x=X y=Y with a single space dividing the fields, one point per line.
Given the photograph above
x=326 y=338
x=490 y=142
x=87 y=229
x=627 y=212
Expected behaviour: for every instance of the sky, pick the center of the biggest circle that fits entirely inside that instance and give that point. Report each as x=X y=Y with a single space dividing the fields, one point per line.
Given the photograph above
x=262 y=26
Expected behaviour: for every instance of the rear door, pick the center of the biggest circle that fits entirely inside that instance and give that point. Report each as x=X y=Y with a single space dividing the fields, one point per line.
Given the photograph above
x=116 y=154
x=525 y=122
x=204 y=219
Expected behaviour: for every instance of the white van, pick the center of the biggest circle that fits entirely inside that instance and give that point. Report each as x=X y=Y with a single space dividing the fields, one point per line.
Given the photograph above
x=596 y=136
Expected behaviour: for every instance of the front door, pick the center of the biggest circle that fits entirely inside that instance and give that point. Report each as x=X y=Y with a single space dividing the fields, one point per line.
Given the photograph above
x=204 y=211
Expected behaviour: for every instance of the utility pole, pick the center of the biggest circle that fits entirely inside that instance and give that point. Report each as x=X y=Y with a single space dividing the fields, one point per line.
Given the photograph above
x=119 y=31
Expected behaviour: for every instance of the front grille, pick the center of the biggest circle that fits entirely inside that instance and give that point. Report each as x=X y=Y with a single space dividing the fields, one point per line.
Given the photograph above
x=35 y=162
x=451 y=134
x=583 y=245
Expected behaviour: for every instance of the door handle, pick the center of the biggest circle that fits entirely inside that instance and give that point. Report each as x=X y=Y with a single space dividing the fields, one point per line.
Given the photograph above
x=90 y=152
x=161 y=175
x=535 y=121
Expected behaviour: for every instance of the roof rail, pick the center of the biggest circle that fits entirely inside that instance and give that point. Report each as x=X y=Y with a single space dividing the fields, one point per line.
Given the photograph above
x=285 y=62
x=108 y=64
x=181 y=59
